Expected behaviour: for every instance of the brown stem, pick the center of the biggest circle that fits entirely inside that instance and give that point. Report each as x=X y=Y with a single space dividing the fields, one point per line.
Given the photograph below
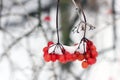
x=57 y=21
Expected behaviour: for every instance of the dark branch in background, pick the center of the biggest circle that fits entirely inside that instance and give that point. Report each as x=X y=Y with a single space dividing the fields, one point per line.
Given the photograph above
x=1 y=7
x=54 y=73
x=21 y=37
x=98 y=31
x=5 y=31
x=103 y=51
x=35 y=12
x=114 y=23
x=114 y=29
x=39 y=13
x=16 y=41
x=39 y=19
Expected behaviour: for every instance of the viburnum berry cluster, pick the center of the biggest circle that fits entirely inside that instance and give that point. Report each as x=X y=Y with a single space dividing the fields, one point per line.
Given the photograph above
x=62 y=53
x=88 y=57
x=90 y=54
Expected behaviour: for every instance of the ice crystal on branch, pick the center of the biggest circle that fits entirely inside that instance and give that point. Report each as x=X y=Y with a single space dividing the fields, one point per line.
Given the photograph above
x=81 y=27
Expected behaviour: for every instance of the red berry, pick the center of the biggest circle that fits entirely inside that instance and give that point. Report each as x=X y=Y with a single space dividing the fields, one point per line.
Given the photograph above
x=93 y=47
x=62 y=59
x=45 y=49
x=85 y=64
x=50 y=43
x=77 y=53
x=74 y=57
x=47 y=18
x=47 y=57
x=87 y=48
x=81 y=57
x=91 y=61
x=94 y=54
x=68 y=56
x=45 y=53
x=57 y=56
x=89 y=43
x=53 y=57
x=87 y=55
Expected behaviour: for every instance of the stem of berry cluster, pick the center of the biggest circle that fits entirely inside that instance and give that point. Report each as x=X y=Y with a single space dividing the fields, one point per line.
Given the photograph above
x=85 y=22
x=85 y=27
x=57 y=21
x=80 y=8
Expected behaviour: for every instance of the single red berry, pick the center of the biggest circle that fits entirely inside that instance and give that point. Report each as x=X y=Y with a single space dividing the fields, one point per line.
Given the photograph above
x=89 y=43
x=87 y=55
x=85 y=64
x=47 y=57
x=53 y=57
x=87 y=48
x=94 y=54
x=91 y=61
x=93 y=47
x=45 y=53
x=74 y=57
x=62 y=59
x=47 y=18
x=77 y=53
x=45 y=49
x=50 y=43
x=81 y=57
x=68 y=57
x=57 y=56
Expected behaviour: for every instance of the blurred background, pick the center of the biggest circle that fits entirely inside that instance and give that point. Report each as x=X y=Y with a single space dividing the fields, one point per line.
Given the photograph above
x=27 y=25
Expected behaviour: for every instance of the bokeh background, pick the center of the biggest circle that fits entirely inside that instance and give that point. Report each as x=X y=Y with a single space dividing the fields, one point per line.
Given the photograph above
x=24 y=32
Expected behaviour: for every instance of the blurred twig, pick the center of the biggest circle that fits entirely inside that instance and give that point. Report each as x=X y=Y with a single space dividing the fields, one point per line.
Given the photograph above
x=114 y=23
x=1 y=7
x=18 y=40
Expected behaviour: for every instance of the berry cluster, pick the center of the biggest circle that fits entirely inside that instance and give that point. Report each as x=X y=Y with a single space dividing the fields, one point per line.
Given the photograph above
x=87 y=58
x=90 y=54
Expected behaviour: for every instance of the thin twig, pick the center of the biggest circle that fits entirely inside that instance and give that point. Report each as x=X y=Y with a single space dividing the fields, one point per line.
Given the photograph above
x=1 y=8
x=18 y=40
